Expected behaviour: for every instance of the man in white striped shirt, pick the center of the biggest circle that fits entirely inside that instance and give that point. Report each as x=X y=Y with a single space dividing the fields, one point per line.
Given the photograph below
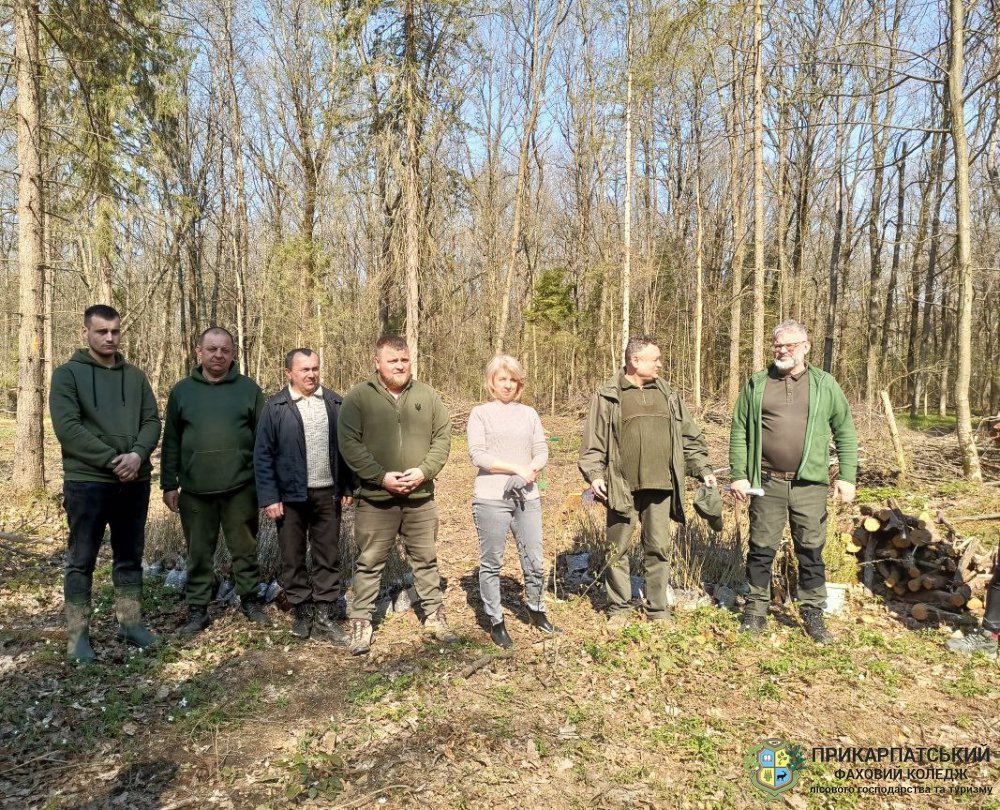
x=303 y=484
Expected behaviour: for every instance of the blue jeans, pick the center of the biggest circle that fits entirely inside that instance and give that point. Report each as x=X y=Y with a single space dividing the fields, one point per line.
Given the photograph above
x=493 y=520
x=91 y=507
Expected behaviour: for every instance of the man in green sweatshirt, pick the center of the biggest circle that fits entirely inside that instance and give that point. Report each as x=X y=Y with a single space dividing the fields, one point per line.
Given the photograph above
x=779 y=442
x=207 y=474
x=104 y=415
x=395 y=435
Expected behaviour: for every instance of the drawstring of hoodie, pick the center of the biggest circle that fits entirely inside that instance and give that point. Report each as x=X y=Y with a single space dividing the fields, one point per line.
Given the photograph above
x=93 y=385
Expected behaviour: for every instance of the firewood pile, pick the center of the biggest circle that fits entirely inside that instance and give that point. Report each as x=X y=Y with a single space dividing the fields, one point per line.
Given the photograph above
x=920 y=562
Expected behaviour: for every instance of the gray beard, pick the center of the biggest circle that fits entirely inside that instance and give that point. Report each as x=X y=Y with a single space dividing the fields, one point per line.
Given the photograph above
x=785 y=365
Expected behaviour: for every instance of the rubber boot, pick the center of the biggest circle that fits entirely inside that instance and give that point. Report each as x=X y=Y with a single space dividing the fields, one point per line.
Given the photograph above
x=128 y=609
x=78 y=632
x=539 y=619
x=500 y=636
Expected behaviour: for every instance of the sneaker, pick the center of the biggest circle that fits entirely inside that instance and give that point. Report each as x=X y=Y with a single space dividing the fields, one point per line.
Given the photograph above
x=667 y=617
x=327 y=625
x=753 y=624
x=815 y=626
x=361 y=636
x=439 y=628
x=976 y=641
x=500 y=636
x=302 y=626
x=253 y=609
x=198 y=620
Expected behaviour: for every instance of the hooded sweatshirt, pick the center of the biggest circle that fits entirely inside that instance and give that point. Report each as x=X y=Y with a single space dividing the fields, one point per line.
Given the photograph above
x=99 y=413
x=208 y=433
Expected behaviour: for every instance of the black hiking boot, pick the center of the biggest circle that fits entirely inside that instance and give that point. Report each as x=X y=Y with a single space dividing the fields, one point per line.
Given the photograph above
x=302 y=626
x=253 y=609
x=198 y=620
x=329 y=627
x=753 y=624
x=815 y=626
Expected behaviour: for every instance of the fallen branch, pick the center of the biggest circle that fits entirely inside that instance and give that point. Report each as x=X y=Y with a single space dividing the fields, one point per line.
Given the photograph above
x=484 y=661
x=962 y=518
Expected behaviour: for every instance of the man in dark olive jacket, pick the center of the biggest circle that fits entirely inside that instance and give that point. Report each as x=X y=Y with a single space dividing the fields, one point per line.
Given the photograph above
x=104 y=415
x=394 y=434
x=207 y=473
x=638 y=443
x=302 y=483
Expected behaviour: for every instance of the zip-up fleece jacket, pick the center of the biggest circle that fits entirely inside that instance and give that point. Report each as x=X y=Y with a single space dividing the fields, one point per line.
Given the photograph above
x=279 y=456
x=829 y=412
x=600 y=451
x=99 y=413
x=379 y=434
x=208 y=433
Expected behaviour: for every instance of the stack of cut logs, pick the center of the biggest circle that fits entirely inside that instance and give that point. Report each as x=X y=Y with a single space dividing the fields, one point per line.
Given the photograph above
x=919 y=561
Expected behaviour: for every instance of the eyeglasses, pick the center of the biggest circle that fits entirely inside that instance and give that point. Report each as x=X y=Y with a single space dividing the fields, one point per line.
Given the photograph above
x=787 y=346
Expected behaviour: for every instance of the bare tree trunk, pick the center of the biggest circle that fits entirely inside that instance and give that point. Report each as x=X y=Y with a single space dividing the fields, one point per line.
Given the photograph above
x=411 y=192
x=698 y=279
x=920 y=385
x=737 y=200
x=757 y=352
x=890 y=295
x=915 y=279
x=627 y=236
x=29 y=457
x=833 y=297
x=963 y=247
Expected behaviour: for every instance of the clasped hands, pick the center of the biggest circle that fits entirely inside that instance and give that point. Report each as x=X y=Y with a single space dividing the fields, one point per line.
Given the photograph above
x=403 y=483
x=126 y=466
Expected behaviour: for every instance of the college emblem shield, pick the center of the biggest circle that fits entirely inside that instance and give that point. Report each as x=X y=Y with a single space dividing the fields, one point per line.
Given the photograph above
x=774 y=767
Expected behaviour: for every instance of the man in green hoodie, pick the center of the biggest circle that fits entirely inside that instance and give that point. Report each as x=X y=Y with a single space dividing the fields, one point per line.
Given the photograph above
x=104 y=415
x=395 y=435
x=207 y=474
x=779 y=442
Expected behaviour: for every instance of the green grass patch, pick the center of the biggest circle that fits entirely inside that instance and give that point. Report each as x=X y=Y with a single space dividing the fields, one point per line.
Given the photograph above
x=930 y=421
x=953 y=489
x=376 y=686
x=877 y=495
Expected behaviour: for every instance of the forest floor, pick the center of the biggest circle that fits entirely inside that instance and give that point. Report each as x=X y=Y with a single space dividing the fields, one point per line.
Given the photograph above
x=646 y=716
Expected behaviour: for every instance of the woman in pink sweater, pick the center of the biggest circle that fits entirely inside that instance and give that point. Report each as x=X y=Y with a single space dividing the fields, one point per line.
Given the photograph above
x=507 y=444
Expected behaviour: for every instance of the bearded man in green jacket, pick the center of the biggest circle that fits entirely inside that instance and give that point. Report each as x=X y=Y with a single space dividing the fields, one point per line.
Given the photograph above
x=779 y=442
x=104 y=415
x=208 y=476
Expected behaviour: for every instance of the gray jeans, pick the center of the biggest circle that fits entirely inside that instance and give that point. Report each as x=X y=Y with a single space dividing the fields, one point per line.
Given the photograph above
x=493 y=520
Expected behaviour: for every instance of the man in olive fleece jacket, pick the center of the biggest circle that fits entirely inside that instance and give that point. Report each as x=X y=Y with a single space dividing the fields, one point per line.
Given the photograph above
x=779 y=442
x=638 y=443
x=104 y=415
x=395 y=435
x=207 y=474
